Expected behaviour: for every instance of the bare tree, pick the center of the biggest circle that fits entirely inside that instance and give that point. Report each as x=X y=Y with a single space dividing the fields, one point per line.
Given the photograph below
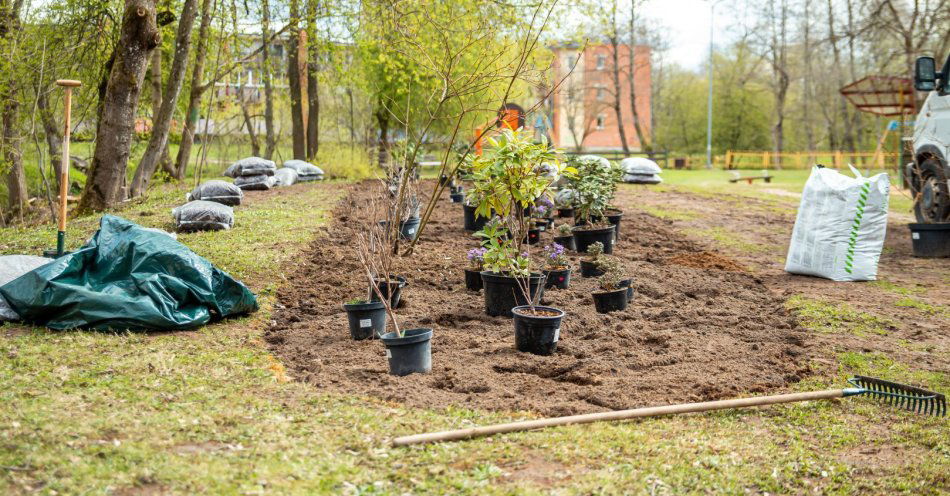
x=295 y=82
x=633 y=67
x=10 y=138
x=270 y=137
x=196 y=90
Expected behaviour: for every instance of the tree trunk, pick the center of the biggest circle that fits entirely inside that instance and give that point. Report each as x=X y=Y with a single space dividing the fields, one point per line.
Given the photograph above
x=297 y=128
x=196 y=92
x=249 y=123
x=313 y=83
x=161 y=123
x=807 y=79
x=382 y=118
x=16 y=178
x=631 y=76
x=270 y=140
x=50 y=129
x=615 y=72
x=139 y=35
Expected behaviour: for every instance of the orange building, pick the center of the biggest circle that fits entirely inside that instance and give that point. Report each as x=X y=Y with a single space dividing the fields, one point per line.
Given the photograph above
x=583 y=115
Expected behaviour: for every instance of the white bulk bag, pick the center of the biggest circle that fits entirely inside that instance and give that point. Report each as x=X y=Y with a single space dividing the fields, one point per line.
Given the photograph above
x=840 y=228
x=639 y=166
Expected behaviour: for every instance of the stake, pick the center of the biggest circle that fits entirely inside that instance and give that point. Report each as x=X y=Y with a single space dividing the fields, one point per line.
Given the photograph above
x=68 y=84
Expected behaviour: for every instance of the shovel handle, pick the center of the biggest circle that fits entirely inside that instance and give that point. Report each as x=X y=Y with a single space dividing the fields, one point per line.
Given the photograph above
x=653 y=411
x=68 y=84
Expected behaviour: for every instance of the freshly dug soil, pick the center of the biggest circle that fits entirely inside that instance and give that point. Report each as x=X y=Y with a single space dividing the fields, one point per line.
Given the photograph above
x=699 y=327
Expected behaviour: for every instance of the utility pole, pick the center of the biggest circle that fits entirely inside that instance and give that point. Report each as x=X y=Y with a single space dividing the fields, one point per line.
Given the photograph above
x=709 y=102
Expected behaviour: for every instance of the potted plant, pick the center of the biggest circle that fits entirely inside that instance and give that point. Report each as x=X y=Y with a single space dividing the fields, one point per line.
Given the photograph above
x=511 y=175
x=557 y=268
x=591 y=266
x=612 y=296
x=541 y=213
x=367 y=319
x=614 y=215
x=564 y=236
x=594 y=186
x=476 y=260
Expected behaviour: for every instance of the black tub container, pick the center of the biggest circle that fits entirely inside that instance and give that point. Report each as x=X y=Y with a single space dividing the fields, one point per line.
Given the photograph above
x=930 y=240
x=392 y=289
x=502 y=292
x=586 y=237
x=566 y=241
x=407 y=228
x=589 y=269
x=457 y=197
x=560 y=279
x=367 y=320
x=614 y=217
x=473 y=280
x=537 y=334
x=627 y=283
x=610 y=301
x=410 y=354
x=534 y=236
x=565 y=212
x=473 y=223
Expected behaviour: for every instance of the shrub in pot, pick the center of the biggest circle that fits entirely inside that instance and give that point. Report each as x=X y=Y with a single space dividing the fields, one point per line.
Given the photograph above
x=473 y=277
x=594 y=186
x=505 y=270
x=591 y=266
x=537 y=328
x=557 y=268
x=367 y=319
x=564 y=237
x=612 y=296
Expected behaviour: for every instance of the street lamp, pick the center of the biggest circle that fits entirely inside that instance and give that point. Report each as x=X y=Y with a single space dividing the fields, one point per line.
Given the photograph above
x=709 y=103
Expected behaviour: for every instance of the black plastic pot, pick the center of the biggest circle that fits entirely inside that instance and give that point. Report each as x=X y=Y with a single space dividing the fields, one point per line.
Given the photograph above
x=502 y=293
x=930 y=240
x=473 y=280
x=614 y=217
x=410 y=354
x=537 y=334
x=566 y=241
x=534 y=236
x=407 y=228
x=473 y=223
x=584 y=237
x=391 y=289
x=627 y=283
x=559 y=279
x=589 y=269
x=367 y=320
x=565 y=212
x=457 y=197
x=610 y=301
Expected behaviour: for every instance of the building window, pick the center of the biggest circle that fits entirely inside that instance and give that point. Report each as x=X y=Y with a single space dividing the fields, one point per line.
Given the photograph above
x=571 y=60
x=601 y=93
x=600 y=121
x=601 y=62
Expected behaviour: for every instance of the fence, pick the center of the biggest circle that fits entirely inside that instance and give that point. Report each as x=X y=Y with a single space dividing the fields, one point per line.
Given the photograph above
x=659 y=156
x=804 y=160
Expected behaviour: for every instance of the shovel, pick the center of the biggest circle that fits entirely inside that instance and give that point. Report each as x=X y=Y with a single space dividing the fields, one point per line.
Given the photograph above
x=68 y=84
x=900 y=395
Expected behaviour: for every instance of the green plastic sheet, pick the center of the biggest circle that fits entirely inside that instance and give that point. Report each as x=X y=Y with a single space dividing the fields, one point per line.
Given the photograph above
x=128 y=278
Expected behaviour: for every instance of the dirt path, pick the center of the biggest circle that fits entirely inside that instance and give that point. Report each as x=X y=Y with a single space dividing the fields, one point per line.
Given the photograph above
x=909 y=305
x=699 y=328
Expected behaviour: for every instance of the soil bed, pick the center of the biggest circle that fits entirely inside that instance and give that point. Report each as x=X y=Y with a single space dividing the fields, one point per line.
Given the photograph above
x=693 y=332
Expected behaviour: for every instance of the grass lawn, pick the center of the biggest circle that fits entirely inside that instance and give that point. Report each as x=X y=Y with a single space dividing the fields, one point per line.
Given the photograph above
x=211 y=411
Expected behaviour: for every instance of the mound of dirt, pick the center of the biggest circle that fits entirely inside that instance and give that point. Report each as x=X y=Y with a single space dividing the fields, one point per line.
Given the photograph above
x=691 y=333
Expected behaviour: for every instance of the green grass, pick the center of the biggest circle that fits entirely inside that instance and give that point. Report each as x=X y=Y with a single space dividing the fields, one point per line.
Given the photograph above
x=831 y=317
x=730 y=239
x=212 y=412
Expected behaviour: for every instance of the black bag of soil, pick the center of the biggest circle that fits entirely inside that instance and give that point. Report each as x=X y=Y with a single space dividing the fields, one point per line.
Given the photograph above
x=305 y=170
x=128 y=277
x=285 y=176
x=218 y=191
x=251 y=166
x=200 y=215
x=260 y=182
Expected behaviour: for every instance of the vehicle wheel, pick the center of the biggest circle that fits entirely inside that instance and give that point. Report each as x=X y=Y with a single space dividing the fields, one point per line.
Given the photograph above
x=933 y=204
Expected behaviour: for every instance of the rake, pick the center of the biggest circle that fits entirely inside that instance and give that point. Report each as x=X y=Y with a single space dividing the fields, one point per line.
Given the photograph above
x=900 y=395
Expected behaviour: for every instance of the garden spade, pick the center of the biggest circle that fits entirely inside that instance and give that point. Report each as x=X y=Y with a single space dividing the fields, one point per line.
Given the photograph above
x=900 y=395
x=68 y=84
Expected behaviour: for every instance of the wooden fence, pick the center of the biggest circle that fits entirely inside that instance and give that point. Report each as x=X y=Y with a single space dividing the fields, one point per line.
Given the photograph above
x=805 y=160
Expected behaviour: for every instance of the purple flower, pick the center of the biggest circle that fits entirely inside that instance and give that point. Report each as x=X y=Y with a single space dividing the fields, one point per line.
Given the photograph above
x=476 y=254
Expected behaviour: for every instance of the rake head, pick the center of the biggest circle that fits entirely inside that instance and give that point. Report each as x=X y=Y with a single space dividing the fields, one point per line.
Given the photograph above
x=903 y=396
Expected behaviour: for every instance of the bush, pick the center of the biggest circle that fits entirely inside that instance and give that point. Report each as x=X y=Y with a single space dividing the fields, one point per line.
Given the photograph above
x=339 y=160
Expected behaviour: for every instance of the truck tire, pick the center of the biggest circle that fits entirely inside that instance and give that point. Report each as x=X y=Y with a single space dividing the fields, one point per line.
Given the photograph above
x=931 y=193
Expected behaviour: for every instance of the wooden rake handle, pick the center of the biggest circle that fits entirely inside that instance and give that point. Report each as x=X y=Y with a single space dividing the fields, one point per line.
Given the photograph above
x=654 y=411
x=68 y=84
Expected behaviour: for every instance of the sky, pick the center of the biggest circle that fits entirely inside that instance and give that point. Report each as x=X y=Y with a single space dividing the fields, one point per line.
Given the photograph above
x=687 y=25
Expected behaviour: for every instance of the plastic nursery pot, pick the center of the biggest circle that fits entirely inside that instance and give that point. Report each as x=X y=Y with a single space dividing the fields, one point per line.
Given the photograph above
x=391 y=289
x=614 y=217
x=537 y=332
x=367 y=320
x=627 y=283
x=930 y=240
x=566 y=241
x=407 y=228
x=610 y=301
x=472 y=222
x=565 y=212
x=502 y=293
x=584 y=237
x=473 y=280
x=589 y=269
x=534 y=236
x=457 y=197
x=559 y=279
x=409 y=354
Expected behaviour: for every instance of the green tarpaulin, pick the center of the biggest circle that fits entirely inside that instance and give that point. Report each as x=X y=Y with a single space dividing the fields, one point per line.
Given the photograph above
x=128 y=277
